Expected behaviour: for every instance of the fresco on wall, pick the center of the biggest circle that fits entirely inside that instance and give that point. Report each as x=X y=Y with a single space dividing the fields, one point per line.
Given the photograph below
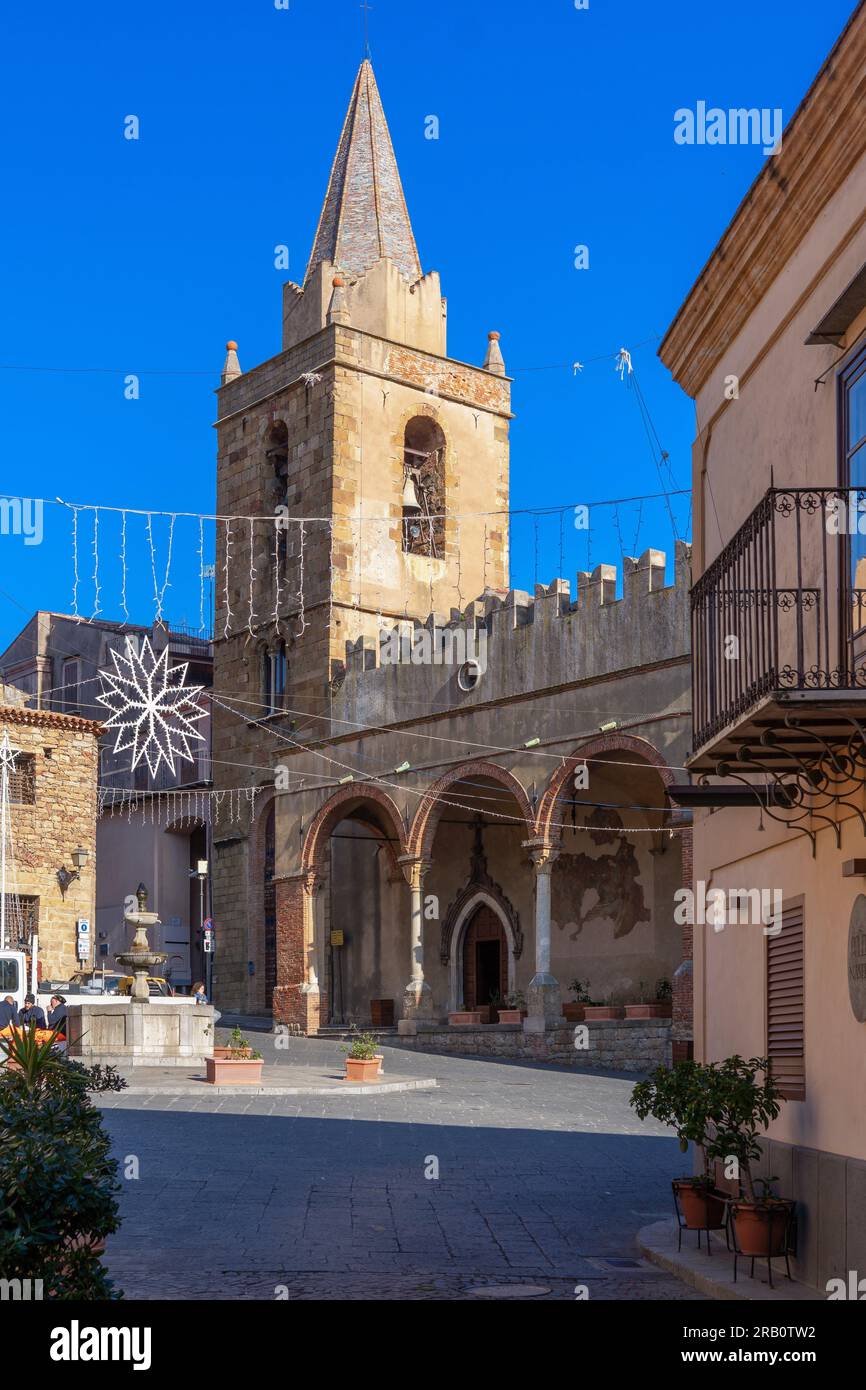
x=586 y=889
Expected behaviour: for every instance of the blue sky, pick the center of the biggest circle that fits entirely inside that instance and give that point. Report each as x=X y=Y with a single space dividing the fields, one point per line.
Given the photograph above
x=556 y=129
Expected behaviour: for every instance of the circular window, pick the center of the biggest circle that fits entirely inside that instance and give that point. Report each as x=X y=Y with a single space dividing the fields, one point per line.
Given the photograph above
x=469 y=674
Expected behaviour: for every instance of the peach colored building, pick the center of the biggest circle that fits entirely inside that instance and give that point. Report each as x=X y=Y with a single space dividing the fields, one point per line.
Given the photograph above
x=771 y=344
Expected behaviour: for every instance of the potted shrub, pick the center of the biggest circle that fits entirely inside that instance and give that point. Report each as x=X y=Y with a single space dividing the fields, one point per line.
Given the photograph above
x=465 y=1018
x=242 y=1066
x=742 y=1108
x=574 y=1012
x=363 y=1062
x=237 y=1046
x=660 y=1007
x=515 y=1008
x=682 y=1096
x=58 y=1179
x=603 y=1011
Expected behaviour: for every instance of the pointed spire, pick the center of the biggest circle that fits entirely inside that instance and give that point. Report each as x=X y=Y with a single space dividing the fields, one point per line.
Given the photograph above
x=232 y=368
x=494 y=361
x=364 y=216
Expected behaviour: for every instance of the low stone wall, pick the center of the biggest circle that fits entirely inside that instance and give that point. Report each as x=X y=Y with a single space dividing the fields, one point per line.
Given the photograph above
x=628 y=1044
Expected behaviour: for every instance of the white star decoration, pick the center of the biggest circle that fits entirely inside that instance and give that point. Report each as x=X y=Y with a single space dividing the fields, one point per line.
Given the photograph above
x=151 y=708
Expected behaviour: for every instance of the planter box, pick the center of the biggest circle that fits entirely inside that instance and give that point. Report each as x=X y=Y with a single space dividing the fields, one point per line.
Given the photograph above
x=382 y=1013
x=603 y=1011
x=573 y=1013
x=469 y=1018
x=702 y=1209
x=363 y=1068
x=223 y=1071
x=511 y=1015
x=658 y=1010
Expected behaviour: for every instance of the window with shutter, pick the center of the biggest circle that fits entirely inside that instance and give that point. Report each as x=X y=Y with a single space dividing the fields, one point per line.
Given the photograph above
x=786 y=1002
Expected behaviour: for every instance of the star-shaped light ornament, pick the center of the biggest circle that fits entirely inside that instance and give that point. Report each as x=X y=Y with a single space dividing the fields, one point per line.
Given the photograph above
x=151 y=708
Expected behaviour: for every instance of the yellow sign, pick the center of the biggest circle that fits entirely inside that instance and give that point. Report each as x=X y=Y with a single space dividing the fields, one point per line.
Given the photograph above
x=336 y=938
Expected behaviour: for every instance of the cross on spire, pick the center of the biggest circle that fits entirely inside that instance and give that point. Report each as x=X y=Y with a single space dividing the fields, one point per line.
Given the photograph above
x=365 y=11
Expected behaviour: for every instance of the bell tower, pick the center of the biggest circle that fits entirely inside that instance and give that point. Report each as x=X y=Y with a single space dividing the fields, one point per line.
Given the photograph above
x=383 y=461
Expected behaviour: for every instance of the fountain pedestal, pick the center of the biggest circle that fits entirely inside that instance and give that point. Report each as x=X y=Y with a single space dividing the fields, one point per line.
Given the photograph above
x=137 y=1029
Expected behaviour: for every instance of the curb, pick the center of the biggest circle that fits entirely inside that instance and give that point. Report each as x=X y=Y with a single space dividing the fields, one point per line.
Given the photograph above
x=657 y=1243
x=201 y=1089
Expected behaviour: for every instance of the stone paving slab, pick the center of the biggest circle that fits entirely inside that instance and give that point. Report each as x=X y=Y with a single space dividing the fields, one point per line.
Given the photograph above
x=713 y=1274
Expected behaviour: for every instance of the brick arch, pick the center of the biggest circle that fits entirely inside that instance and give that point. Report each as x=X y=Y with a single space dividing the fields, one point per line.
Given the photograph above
x=336 y=808
x=423 y=829
x=594 y=748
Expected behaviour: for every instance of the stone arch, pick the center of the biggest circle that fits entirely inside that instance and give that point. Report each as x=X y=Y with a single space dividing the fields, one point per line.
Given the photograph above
x=454 y=928
x=426 y=819
x=594 y=748
x=344 y=801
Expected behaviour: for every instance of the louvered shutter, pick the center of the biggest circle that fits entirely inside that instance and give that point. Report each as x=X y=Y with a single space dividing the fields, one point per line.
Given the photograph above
x=786 y=1002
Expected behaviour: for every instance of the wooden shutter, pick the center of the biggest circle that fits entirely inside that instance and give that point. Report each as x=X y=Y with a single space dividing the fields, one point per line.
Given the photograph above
x=786 y=1002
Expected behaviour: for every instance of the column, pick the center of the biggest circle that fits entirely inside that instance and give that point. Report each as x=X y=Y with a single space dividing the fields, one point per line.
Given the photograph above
x=417 y=996
x=297 y=998
x=543 y=998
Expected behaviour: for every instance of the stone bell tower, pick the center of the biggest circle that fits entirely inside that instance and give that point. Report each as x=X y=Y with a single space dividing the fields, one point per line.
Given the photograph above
x=364 y=422
x=384 y=460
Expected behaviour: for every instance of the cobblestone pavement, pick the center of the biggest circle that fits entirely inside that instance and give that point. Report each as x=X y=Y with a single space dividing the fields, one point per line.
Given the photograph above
x=544 y=1176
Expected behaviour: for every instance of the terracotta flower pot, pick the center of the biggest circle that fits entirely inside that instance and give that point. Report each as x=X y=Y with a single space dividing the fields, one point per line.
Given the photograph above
x=573 y=1013
x=233 y=1071
x=510 y=1015
x=467 y=1018
x=660 y=1009
x=363 y=1068
x=760 y=1228
x=702 y=1209
x=603 y=1011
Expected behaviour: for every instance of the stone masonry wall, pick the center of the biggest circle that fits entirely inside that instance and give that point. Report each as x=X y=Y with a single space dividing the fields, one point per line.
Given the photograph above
x=630 y=1044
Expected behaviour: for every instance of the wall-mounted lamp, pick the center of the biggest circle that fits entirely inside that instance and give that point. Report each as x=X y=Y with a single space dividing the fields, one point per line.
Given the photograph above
x=66 y=876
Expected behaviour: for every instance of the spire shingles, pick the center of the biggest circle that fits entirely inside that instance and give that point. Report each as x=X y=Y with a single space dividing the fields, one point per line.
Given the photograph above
x=364 y=216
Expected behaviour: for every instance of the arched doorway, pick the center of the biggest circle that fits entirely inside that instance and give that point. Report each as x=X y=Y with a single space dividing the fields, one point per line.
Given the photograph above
x=485 y=959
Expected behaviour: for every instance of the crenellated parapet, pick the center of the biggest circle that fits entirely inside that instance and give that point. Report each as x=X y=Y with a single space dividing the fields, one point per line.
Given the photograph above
x=508 y=643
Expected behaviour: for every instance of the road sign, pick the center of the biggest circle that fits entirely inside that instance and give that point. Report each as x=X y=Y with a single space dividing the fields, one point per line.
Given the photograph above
x=208 y=945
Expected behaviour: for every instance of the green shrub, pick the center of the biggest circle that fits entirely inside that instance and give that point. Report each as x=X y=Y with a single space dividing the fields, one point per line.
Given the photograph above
x=57 y=1179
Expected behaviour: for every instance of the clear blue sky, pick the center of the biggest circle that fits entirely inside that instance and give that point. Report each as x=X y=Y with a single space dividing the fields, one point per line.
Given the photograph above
x=556 y=128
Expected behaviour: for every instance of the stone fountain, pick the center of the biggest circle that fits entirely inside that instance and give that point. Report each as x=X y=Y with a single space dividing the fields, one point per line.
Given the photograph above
x=140 y=959
x=137 y=1030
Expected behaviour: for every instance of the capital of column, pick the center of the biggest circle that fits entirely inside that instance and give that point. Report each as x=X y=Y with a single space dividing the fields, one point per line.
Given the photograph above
x=542 y=853
x=414 y=870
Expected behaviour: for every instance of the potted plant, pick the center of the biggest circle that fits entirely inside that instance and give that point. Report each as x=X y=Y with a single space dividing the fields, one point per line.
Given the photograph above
x=242 y=1066
x=363 y=1062
x=465 y=1018
x=515 y=1008
x=603 y=1011
x=660 y=1007
x=574 y=1012
x=682 y=1096
x=743 y=1107
x=237 y=1046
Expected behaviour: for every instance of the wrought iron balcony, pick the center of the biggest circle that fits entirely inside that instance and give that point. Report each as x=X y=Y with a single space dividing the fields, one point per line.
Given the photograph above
x=779 y=626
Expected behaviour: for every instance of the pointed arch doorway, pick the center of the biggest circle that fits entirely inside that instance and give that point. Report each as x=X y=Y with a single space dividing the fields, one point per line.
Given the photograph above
x=484 y=959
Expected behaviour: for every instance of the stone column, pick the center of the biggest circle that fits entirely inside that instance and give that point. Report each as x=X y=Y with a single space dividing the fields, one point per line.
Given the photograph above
x=297 y=997
x=543 y=1000
x=417 y=996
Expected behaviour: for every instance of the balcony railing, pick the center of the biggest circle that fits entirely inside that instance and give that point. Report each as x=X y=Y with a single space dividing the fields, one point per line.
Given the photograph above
x=776 y=611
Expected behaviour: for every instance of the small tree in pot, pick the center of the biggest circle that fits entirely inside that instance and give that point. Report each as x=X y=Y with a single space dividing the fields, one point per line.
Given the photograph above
x=742 y=1108
x=681 y=1096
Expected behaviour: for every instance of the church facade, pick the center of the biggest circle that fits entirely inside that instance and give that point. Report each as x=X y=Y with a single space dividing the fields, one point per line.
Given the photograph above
x=464 y=786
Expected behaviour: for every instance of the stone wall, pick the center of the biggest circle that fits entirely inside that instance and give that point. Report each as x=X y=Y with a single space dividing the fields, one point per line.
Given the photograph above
x=62 y=818
x=629 y=1044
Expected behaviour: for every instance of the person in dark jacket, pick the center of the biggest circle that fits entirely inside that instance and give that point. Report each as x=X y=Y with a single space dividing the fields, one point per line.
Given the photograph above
x=31 y=1013
x=57 y=1013
x=8 y=1012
